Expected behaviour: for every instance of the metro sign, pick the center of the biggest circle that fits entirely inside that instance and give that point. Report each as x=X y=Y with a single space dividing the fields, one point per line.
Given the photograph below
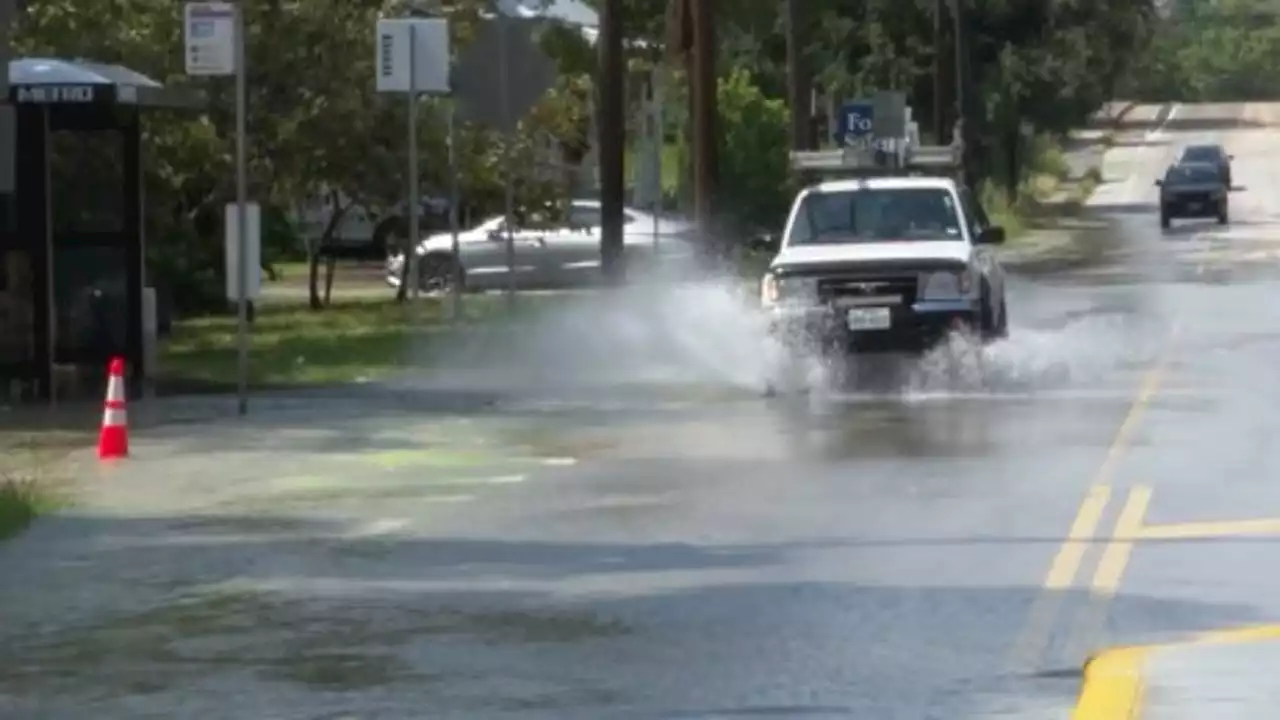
x=56 y=94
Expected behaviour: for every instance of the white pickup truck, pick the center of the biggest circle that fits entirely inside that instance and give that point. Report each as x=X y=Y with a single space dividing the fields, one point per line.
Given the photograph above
x=892 y=262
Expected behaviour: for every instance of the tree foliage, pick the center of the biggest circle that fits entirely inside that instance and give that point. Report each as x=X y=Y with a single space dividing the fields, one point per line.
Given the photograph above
x=1224 y=50
x=316 y=125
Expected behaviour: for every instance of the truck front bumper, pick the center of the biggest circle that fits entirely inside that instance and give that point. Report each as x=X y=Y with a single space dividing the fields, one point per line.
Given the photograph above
x=913 y=328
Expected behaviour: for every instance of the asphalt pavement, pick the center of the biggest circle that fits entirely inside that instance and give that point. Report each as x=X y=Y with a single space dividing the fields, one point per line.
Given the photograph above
x=554 y=545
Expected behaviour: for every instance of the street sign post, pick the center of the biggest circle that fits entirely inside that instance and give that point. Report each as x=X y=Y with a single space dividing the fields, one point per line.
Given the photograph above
x=499 y=93
x=413 y=58
x=213 y=35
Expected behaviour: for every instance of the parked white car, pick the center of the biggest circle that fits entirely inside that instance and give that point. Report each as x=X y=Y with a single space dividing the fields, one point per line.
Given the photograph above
x=546 y=256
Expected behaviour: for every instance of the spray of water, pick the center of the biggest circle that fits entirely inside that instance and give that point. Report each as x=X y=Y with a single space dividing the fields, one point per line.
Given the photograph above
x=707 y=334
x=708 y=338
x=1080 y=354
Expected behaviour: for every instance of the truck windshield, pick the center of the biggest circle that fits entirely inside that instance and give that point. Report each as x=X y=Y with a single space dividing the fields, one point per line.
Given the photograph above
x=876 y=215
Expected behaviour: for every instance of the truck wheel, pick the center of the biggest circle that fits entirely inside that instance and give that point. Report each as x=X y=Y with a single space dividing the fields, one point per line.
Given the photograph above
x=1164 y=219
x=994 y=322
x=1002 y=323
x=1223 y=216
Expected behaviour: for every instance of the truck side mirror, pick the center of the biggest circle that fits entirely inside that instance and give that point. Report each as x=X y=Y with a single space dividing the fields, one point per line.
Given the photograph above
x=993 y=235
x=765 y=242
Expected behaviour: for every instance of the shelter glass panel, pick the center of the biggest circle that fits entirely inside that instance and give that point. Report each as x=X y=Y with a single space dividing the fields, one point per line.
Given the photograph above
x=87 y=179
x=91 y=296
x=17 y=308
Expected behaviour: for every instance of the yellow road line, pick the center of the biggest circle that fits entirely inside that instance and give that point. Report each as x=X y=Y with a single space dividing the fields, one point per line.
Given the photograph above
x=1200 y=530
x=1124 y=436
x=1106 y=580
x=1063 y=569
x=1092 y=621
x=1034 y=637
x=1030 y=644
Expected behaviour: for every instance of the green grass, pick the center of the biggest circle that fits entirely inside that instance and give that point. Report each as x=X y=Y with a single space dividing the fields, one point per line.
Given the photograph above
x=1046 y=192
x=349 y=341
x=291 y=344
x=21 y=501
x=29 y=483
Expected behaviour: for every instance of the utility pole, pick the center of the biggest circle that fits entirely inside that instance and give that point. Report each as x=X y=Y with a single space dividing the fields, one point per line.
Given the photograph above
x=939 y=74
x=611 y=131
x=702 y=80
x=799 y=83
x=961 y=39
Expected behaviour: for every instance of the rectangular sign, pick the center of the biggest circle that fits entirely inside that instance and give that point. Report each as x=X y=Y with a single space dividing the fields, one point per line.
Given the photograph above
x=426 y=41
x=209 y=31
x=890 y=118
x=252 y=249
x=854 y=121
x=869 y=318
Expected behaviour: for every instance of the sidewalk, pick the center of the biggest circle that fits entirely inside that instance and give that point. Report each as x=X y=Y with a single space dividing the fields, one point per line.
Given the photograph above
x=1229 y=675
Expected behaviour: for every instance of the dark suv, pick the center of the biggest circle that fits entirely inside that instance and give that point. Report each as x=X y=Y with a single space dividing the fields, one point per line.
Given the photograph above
x=1193 y=190
x=1209 y=154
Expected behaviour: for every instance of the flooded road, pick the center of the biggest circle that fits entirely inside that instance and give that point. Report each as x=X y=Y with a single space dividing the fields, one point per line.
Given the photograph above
x=922 y=551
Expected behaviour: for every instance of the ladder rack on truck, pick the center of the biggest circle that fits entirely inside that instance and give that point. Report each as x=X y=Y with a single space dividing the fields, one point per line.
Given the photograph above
x=856 y=162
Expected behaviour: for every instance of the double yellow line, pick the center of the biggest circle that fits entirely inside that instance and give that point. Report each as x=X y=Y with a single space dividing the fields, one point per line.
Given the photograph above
x=1030 y=646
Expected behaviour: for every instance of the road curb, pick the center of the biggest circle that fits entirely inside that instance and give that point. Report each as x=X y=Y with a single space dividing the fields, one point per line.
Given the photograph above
x=1113 y=683
x=1112 y=687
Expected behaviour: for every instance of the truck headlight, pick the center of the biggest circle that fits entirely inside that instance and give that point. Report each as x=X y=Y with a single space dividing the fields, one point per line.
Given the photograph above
x=945 y=285
x=775 y=290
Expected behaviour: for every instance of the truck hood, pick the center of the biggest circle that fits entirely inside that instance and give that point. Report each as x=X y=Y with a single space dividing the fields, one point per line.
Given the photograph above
x=800 y=256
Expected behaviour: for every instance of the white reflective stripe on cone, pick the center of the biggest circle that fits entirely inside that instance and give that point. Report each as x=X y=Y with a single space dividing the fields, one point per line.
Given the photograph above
x=115 y=417
x=115 y=390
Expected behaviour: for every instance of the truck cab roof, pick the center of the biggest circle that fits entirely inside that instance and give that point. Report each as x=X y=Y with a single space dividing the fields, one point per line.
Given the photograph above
x=885 y=182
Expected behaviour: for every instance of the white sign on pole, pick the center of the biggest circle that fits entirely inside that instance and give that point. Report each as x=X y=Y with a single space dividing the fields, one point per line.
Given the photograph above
x=253 y=251
x=430 y=55
x=209 y=30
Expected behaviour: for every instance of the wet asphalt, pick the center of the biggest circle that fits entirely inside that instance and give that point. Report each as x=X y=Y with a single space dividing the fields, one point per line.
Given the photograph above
x=674 y=551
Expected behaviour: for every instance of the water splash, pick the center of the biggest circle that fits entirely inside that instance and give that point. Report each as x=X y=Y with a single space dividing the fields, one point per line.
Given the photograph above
x=675 y=335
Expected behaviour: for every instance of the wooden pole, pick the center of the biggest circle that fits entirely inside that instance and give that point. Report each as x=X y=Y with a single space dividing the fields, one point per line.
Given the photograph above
x=611 y=139
x=799 y=82
x=705 y=138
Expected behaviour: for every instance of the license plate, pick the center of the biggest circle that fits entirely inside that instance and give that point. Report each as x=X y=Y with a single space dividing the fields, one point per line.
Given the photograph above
x=1194 y=205
x=873 y=318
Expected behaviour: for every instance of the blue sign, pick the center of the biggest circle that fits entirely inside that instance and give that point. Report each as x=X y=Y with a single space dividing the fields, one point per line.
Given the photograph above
x=853 y=124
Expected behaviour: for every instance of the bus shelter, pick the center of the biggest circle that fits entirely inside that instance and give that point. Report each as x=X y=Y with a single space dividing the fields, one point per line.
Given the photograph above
x=72 y=242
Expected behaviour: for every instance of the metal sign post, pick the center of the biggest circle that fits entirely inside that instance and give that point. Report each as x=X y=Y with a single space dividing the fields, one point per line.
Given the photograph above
x=413 y=58
x=508 y=184
x=215 y=46
x=657 y=138
x=499 y=94
x=242 y=218
x=455 y=289
x=413 y=201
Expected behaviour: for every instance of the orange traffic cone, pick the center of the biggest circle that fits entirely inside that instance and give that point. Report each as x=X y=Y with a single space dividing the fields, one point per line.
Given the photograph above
x=113 y=440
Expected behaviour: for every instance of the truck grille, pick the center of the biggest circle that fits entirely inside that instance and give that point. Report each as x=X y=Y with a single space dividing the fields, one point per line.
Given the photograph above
x=834 y=289
x=1203 y=198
